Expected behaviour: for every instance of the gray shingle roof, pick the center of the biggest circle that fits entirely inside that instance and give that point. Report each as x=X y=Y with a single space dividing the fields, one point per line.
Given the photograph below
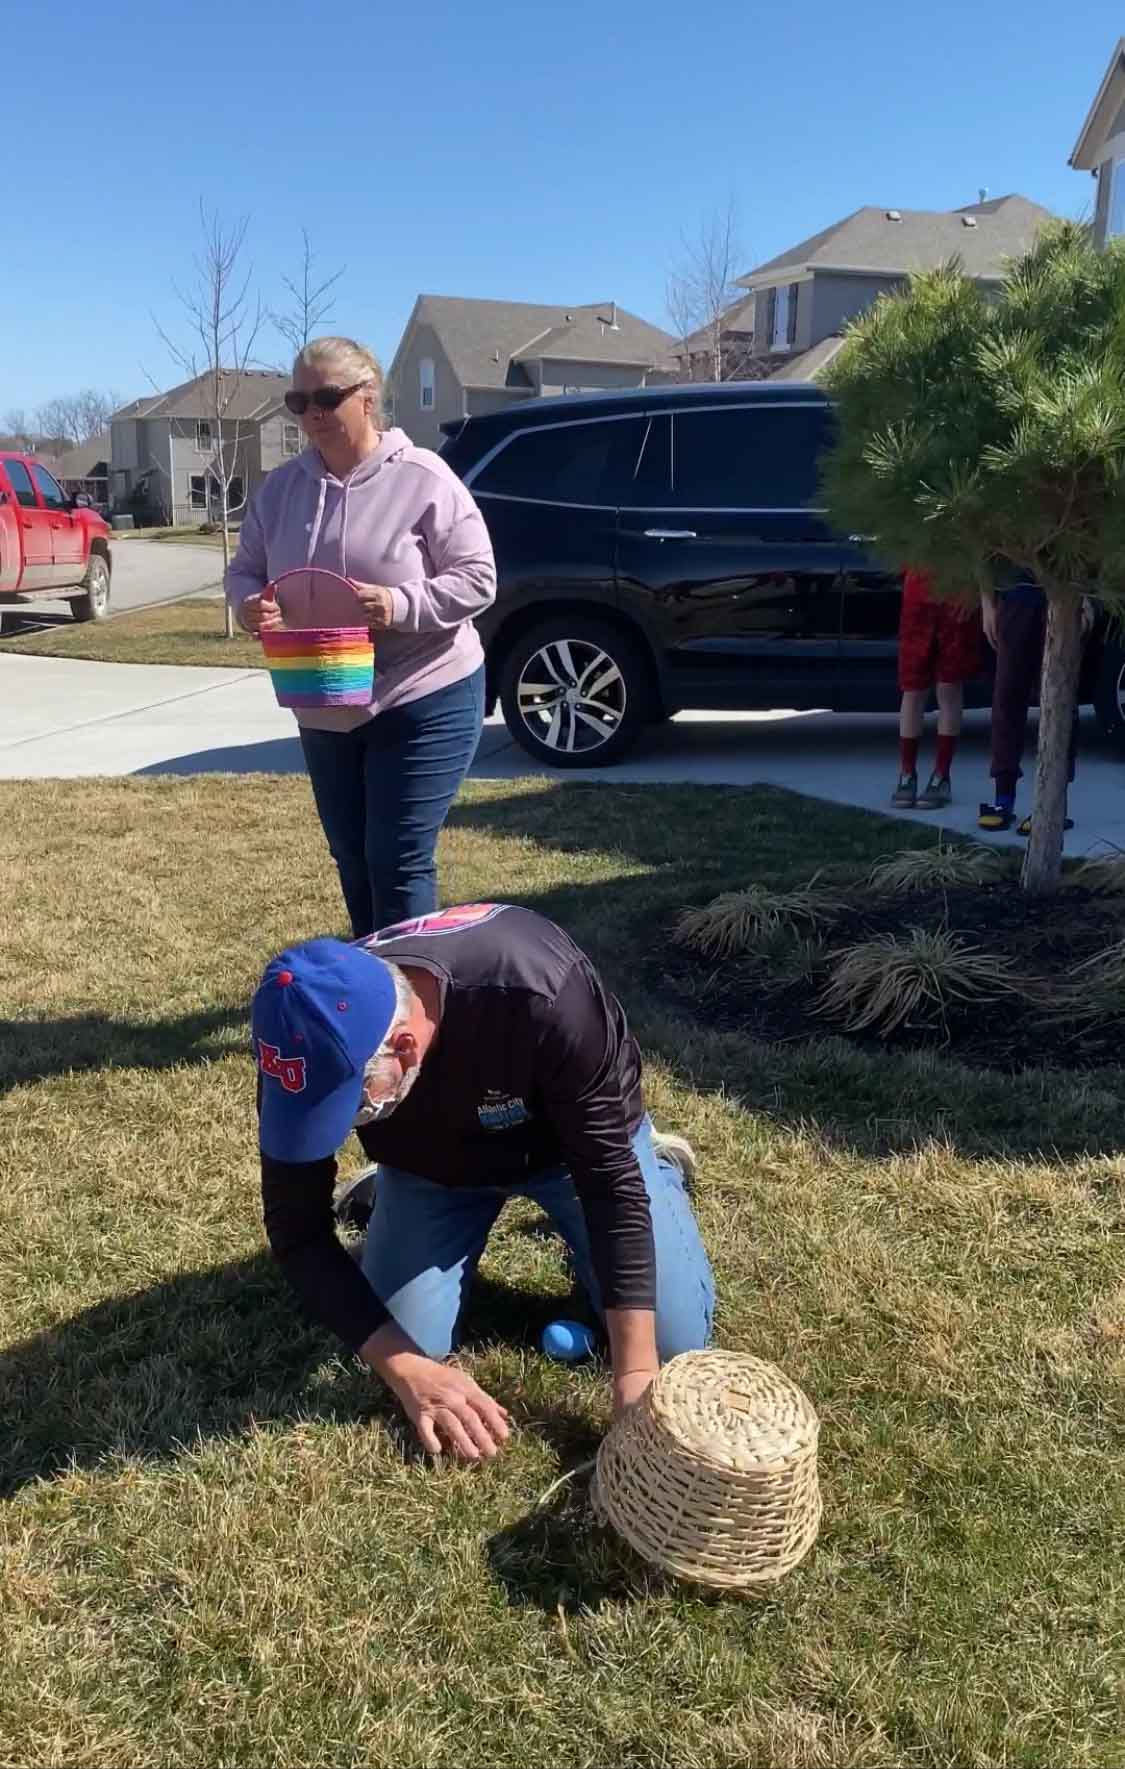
x=923 y=238
x=809 y=365
x=738 y=321
x=483 y=338
x=258 y=390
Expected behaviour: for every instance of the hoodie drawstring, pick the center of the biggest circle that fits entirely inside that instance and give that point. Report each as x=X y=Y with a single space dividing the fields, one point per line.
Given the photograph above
x=314 y=531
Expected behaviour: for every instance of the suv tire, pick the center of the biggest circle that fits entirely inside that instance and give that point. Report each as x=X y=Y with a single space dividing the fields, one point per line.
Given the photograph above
x=576 y=691
x=93 y=603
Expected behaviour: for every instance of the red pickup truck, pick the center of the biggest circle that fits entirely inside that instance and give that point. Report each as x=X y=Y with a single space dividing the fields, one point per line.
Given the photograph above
x=51 y=545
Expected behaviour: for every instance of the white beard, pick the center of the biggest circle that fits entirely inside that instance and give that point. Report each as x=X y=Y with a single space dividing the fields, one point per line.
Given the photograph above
x=381 y=1110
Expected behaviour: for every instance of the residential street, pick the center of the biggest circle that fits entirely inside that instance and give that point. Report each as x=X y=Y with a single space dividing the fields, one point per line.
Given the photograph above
x=144 y=572
x=61 y=718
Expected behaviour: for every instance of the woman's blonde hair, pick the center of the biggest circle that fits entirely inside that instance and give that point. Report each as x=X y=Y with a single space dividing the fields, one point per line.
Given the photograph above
x=351 y=362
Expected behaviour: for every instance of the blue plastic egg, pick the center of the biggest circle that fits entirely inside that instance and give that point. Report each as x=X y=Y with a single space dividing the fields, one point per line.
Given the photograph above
x=568 y=1342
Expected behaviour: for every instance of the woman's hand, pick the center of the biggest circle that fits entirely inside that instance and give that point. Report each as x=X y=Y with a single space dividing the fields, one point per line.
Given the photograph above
x=259 y=615
x=378 y=605
x=990 y=619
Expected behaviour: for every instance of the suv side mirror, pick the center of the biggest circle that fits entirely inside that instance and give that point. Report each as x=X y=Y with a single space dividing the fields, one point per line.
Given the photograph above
x=81 y=502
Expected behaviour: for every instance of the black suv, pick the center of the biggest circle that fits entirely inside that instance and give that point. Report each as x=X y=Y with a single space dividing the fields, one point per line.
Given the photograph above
x=662 y=549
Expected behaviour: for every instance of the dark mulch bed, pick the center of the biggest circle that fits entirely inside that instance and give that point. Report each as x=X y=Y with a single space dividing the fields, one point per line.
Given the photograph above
x=766 y=995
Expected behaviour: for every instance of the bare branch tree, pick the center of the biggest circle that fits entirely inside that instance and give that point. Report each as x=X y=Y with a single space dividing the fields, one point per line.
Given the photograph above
x=16 y=424
x=223 y=322
x=76 y=417
x=701 y=292
x=310 y=301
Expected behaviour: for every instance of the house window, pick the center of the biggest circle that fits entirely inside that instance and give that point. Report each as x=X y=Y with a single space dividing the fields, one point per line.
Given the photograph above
x=290 y=439
x=203 y=437
x=236 y=495
x=1115 y=225
x=783 y=317
x=426 y=383
x=198 y=485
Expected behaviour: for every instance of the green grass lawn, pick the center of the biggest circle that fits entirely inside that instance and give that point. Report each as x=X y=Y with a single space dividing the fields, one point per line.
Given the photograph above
x=177 y=632
x=217 y=1546
x=191 y=536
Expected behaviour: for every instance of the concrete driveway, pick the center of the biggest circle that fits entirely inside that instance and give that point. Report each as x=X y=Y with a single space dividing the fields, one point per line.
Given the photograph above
x=63 y=718
x=144 y=572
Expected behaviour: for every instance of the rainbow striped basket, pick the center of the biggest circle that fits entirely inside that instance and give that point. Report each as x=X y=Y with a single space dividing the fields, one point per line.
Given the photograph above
x=321 y=666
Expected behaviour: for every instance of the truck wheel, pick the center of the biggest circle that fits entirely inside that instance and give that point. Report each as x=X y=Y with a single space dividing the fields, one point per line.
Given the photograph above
x=93 y=603
x=576 y=692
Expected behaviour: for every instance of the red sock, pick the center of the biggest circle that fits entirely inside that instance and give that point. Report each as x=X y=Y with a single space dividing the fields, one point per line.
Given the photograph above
x=909 y=748
x=946 y=749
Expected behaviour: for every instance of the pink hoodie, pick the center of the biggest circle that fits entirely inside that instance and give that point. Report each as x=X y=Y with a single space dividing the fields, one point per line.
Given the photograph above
x=400 y=519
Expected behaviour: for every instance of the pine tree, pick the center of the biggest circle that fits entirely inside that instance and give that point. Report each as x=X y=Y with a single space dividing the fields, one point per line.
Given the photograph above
x=984 y=435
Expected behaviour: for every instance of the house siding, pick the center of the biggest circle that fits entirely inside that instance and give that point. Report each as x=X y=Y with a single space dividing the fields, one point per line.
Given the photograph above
x=555 y=376
x=271 y=443
x=1101 y=205
x=838 y=299
x=424 y=426
x=482 y=400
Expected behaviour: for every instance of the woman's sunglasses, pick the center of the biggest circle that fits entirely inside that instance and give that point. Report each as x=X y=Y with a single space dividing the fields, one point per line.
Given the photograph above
x=326 y=399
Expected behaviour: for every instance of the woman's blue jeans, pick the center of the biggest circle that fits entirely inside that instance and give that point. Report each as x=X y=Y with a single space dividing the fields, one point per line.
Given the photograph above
x=383 y=792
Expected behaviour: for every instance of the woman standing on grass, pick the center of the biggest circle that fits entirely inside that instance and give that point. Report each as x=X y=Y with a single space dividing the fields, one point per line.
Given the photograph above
x=362 y=501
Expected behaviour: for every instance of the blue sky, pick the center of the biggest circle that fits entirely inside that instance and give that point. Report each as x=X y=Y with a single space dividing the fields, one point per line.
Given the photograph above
x=491 y=148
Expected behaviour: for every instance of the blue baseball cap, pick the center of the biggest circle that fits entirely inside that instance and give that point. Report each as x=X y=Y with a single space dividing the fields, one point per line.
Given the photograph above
x=321 y=1012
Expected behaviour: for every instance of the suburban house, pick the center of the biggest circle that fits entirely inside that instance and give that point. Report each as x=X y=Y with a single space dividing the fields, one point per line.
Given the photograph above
x=164 y=449
x=726 y=350
x=458 y=358
x=1100 y=149
x=84 y=471
x=803 y=299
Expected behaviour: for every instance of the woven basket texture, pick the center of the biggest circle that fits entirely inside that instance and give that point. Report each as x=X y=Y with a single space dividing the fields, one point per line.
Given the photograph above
x=712 y=1475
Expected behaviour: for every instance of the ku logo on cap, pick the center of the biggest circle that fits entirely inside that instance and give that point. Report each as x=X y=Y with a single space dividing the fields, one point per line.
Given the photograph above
x=289 y=1070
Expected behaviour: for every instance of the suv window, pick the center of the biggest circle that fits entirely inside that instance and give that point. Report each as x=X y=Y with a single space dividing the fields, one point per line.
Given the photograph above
x=568 y=463
x=20 y=481
x=54 y=496
x=745 y=458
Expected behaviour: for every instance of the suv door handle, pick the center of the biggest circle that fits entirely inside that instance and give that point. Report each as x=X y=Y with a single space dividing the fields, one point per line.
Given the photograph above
x=860 y=540
x=670 y=534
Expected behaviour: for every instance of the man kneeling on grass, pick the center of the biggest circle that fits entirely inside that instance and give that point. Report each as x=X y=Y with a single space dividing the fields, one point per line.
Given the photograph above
x=478 y=1056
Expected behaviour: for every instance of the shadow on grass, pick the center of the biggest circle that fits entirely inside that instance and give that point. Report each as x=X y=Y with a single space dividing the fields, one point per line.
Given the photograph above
x=211 y=1354
x=35 y=1050
x=559 y=1559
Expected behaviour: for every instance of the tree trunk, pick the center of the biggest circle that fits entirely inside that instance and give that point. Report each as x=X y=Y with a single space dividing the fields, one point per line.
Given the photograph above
x=228 y=613
x=1062 y=656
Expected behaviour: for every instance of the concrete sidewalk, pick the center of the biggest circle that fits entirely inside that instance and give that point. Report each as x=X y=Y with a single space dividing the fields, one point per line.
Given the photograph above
x=61 y=718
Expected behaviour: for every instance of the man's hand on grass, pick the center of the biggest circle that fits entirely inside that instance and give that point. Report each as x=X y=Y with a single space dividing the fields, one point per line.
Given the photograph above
x=628 y=1388
x=447 y=1409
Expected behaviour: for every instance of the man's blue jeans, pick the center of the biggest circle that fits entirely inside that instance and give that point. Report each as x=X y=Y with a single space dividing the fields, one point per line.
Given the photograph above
x=424 y=1242
x=383 y=792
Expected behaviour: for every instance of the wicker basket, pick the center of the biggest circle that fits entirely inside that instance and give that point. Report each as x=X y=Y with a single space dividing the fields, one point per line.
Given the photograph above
x=712 y=1475
x=320 y=666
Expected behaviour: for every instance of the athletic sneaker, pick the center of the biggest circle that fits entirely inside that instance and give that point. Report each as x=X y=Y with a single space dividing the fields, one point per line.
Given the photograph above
x=938 y=794
x=354 y=1200
x=905 y=794
x=680 y=1153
